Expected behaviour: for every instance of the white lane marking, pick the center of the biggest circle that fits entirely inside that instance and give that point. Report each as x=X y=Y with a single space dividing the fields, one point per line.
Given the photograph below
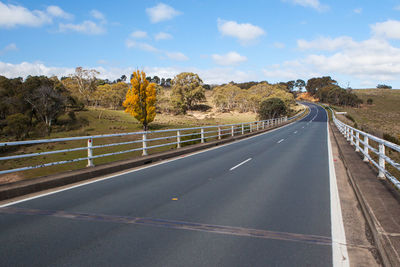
x=339 y=248
x=302 y=127
x=149 y=166
x=241 y=163
x=280 y=141
x=295 y=132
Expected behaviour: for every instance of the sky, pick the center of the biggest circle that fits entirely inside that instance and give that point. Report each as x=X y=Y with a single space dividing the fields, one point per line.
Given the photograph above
x=357 y=43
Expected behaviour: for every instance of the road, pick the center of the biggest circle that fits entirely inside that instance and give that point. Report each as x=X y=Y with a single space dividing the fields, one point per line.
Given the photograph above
x=263 y=201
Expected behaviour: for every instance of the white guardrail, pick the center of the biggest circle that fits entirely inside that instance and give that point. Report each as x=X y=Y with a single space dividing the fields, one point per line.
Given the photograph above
x=217 y=132
x=357 y=137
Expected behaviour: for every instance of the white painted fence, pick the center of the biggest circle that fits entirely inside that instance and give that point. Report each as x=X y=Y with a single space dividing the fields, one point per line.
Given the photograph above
x=357 y=137
x=205 y=132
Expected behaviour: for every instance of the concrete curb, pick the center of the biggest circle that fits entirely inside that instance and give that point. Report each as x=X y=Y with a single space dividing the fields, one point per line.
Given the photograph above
x=34 y=185
x=384 y=246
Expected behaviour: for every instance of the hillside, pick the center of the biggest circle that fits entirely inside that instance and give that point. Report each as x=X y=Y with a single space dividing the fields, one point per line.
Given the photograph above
x=382 y=116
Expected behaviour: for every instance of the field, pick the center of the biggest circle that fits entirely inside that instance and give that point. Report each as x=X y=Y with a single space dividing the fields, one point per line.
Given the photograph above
x=382 y=116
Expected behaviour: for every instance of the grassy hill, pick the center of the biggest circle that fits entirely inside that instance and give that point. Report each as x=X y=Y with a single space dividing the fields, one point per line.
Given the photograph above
x=382 y=116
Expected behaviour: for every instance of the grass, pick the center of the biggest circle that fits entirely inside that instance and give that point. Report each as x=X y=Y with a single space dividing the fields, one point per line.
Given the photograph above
x=381 y=119
x=102 y=121
x=383 y=116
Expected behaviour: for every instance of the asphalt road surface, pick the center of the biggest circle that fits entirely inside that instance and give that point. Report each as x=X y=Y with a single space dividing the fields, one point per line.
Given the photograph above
x=263 y=201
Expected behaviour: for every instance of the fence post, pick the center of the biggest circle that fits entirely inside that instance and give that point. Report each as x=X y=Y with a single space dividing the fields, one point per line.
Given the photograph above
x=263 y=125
x=366 y=148
x=242 y=128
x=232 y=130
x=352 y=137
x=90 y=152
x=178 y=139
x=381 y=160
x=257 y=126
x=202 y=135
x=357 y=141
x=251 y=128
x=348 y=133
x=219 y=133
x=144 y=144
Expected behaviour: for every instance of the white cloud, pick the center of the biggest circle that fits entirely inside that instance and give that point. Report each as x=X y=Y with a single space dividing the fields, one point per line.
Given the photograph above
x=358 y=10
x=389 y=29
x=315 y=4
x=12 y=15
x=56 y=11
x=98 y=15
x=139 y=34
x=279 y=45
x=326 y=43
x=142 y=46
x=397 y=7
x=25 y=68
x=162 y=36
x=245 y=32
x=86 y=27
x=370 y=60
x=177 y=56
x=161 y=12
x=231 y=58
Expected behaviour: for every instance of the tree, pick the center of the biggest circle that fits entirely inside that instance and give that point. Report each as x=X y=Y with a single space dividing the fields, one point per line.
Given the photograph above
x=48 y=102
x=156 y=80
x=300 y=84
x=383 y=86
x=271 y=108
x=224 y=97
x=111 y=95
x=290 y=85
x=86 y=83
x=141 y=99
x=314 y=84
x=187 y=90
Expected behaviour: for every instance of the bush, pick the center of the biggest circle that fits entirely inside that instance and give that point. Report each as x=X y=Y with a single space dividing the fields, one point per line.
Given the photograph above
x=17 y=126
x=383 y=86
x=271 y=108
x=370 y=101
x=391 y=138
x=350 y=118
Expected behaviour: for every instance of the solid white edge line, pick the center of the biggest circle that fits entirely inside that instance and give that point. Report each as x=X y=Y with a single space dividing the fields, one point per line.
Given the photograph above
x=241 y=163
x=149 y=166
x=280 y=141
x=340 y=256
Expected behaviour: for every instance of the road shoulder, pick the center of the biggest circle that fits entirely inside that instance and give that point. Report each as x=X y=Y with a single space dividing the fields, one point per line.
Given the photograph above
x=371 y=213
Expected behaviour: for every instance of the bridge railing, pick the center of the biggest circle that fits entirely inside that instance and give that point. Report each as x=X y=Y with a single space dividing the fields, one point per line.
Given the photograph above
x=133 y=142
x=362 y=143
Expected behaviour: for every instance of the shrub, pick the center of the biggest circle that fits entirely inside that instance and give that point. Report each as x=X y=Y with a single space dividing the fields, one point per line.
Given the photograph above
x=391 y=138
x=17 y=126
x=370 y=101
x=271 y=108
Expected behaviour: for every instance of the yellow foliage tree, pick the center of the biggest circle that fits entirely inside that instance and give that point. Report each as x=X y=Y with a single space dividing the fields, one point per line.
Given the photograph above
x=140 y=99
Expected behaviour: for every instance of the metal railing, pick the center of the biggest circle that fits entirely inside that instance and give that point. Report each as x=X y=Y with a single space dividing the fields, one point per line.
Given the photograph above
x=357 y=138
x=178 y=139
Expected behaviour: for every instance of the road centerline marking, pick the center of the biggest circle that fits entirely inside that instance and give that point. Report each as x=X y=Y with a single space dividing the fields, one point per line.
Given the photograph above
x=280 y=141
x=241 y=163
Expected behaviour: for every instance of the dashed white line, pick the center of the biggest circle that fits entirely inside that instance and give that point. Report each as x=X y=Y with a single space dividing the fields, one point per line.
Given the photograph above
x=241 y=163
x=295 y=132
x=280 y=141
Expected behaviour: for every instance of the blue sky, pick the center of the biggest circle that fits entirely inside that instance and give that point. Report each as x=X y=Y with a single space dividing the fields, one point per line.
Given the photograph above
x=355 y=42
